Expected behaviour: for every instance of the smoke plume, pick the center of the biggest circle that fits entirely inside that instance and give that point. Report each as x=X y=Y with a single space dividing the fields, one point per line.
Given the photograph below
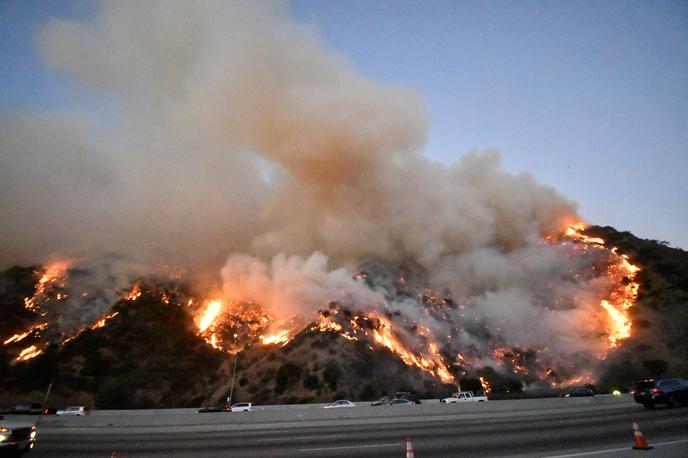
x=231 y=131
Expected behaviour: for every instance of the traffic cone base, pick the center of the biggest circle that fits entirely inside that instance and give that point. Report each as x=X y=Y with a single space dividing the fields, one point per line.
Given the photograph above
x=409 y=448
x=639 y=440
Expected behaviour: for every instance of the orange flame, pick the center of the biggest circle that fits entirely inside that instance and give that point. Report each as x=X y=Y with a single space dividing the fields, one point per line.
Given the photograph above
x=382 y=334
x=102 y=321
x=281 y=338
x=28 y=353
x=487 y=388
x=621 y=272
x=134 y=293
x=23 y=335
x=210 y=315
x=53 y=275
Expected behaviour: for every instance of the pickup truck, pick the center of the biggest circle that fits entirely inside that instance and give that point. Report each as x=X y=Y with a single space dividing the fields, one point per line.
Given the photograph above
x=16 y=437
x=465 y=396
x=73 y=410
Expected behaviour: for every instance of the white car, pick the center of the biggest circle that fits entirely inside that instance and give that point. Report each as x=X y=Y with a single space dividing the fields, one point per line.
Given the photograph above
x=242 y=407
x=340 y=403
x=15 y=437
x=73 y=410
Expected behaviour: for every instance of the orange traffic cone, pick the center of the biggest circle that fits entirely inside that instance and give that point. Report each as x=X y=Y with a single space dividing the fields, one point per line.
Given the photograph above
x=409 y=448
x=640 y=442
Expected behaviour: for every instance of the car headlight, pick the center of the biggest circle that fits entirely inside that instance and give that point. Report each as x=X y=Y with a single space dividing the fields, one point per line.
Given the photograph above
x=4 y=437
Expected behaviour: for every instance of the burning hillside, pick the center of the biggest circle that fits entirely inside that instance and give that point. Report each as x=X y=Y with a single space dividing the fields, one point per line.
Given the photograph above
x=444 y=341
x=447 y=333
x=240 y=144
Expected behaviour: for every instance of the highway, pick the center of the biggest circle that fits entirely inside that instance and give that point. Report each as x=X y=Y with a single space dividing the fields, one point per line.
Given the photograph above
x=600 y=426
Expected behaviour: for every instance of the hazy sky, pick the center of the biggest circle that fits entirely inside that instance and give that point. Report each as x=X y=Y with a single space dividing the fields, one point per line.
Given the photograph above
x=591 y=97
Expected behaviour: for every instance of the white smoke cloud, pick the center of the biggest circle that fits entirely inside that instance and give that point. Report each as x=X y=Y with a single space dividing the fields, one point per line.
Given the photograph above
x=290 y=286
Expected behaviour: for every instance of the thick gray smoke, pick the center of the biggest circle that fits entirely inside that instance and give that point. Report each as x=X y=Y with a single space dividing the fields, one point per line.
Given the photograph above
x=233 y=131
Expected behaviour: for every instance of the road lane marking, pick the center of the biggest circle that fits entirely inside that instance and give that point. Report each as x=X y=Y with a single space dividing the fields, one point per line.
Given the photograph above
x=599 y=452
x=349 y=447
x=294 y=438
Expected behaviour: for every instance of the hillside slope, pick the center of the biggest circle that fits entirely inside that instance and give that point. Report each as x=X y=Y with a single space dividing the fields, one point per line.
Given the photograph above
x=149 y=353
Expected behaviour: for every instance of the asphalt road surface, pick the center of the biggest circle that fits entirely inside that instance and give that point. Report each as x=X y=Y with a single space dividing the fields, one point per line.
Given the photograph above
x=554 y=427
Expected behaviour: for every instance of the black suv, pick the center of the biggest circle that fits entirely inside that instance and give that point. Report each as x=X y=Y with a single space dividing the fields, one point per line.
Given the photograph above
x=670 y=391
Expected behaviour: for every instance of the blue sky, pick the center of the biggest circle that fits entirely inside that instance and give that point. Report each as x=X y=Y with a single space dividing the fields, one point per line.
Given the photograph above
x=589 y=96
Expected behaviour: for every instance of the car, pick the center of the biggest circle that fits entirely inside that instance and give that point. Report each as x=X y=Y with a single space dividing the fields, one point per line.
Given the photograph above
x=670 y=391
x=16 y=437
x=32 y=409
x=339 y=404
x=401 y=402
x=465 y=396
x=242 y=407
x=408 y=396
x=73 y=410
x=579 y=392
x=384 y=400
x=211 y=409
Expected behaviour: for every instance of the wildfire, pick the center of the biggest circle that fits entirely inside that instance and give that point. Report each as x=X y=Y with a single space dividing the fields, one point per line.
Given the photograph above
x=432 y=363
x=54 y=275
x=487 y=388
x=622 y=273
x=134 y=293
x=210 y=315
x=232 y=326
x=575 y=232
x=281 y=337
x=28 y=353
x=381 y=331
x=621 y=324
x=19 y=337
x=102 y=321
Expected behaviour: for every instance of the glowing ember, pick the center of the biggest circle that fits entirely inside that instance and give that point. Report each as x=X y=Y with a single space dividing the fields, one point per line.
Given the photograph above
x=101 y=322
x=486 y=385
x=23 y=335
x=17 y=337
x=28 y=353
x=134 y=293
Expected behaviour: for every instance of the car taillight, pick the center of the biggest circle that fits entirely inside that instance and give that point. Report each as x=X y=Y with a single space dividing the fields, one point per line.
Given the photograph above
x=654 y=390
x=633 y=391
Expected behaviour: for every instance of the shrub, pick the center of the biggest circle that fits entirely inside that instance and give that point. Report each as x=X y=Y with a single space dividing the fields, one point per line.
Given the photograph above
x=312 y=382
x=331 y=374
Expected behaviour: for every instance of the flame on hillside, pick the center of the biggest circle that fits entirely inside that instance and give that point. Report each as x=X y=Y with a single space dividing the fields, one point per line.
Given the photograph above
x=623 y=274
x=51 y=280
x=231 y=326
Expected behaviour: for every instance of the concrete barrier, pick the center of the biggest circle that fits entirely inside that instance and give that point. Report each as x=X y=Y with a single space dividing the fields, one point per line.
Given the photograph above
x=133 y=421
